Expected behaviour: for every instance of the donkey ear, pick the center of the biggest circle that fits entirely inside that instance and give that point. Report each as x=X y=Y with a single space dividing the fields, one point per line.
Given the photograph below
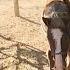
x=47 y=21
x=66 y=1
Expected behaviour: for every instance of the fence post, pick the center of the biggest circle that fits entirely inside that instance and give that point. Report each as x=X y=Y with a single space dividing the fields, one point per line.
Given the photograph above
x=16 y=8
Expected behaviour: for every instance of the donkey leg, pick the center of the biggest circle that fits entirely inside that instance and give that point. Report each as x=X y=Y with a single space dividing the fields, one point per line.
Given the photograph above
x=51 y=60
x=64 y=55
x=65 y=45
x=57 y=35
x=52 y=48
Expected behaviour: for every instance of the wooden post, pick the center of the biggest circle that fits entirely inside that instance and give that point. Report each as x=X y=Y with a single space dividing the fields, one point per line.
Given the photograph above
x=16 y=8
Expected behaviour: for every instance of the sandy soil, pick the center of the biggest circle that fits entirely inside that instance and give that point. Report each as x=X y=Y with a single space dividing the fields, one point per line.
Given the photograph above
x=23 y=45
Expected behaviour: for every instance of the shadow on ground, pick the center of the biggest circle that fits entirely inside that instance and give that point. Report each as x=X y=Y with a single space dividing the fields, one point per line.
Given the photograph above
x=24 y=18
x=25 y=54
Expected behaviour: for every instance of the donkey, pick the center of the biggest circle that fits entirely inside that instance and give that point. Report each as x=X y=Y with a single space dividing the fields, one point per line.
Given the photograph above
x=56 y=18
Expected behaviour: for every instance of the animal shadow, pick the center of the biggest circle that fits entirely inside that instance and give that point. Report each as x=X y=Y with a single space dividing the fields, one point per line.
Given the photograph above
x=25 y=54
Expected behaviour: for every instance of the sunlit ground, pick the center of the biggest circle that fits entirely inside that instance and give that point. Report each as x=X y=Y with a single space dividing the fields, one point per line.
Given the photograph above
x=23 y=44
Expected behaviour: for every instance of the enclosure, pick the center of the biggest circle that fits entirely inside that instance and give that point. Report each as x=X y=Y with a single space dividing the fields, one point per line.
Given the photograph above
x=23 y=45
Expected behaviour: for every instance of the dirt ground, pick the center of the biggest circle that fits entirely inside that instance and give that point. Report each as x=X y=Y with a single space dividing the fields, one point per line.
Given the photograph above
x=23 y=44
